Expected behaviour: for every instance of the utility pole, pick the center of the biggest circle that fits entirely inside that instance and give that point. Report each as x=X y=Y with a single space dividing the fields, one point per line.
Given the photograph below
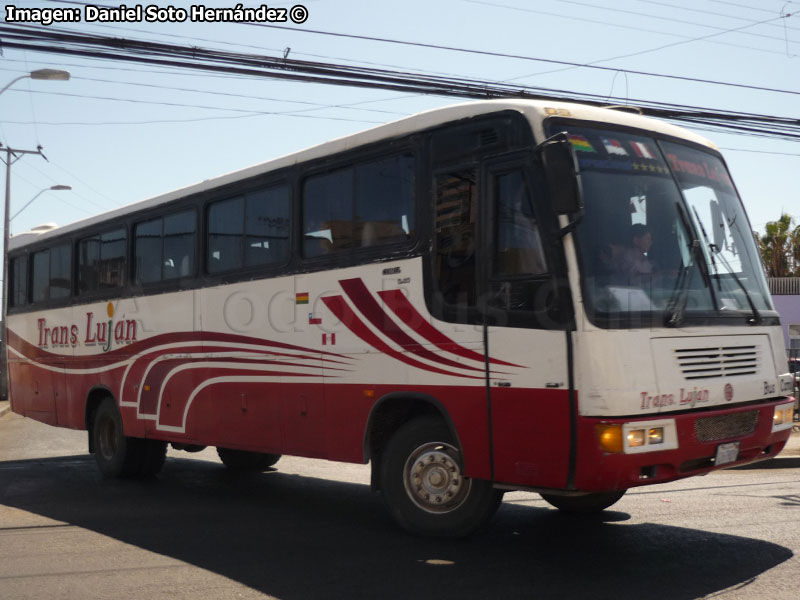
x=12 y=156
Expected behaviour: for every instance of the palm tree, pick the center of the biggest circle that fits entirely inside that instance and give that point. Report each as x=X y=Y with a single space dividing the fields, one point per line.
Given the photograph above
x=779 y=247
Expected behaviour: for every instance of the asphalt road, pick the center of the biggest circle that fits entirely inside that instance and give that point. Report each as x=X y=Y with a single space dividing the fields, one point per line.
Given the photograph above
x=312 y=529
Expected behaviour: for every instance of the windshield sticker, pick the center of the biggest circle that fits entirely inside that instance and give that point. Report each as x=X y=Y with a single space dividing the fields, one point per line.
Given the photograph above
x=580 y=143
x=704 y=170
x=614 y=147
x=642 y=150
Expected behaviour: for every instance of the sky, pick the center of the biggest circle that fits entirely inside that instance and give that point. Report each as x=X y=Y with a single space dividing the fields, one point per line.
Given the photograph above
x=118 y=133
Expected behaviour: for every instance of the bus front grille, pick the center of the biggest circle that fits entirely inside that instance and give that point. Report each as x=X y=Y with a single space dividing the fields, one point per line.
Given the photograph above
x=712 y=429
x=714 y=362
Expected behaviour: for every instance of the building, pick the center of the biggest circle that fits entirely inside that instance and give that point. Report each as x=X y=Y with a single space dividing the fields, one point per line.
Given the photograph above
x=786 y=297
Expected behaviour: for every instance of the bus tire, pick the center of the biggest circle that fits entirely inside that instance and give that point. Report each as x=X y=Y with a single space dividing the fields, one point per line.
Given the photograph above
x=423 y=485
x=154 y=453
x=242 y=460
x=588 y=503
x=116 y=454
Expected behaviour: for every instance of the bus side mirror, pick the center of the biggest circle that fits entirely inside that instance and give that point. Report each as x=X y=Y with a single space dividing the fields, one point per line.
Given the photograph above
x=562 y=174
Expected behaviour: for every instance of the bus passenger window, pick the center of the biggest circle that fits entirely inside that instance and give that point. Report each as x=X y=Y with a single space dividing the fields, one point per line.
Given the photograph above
x=101 y=261
x=267 y=226
x=148 y=251
x=18 y=295
x=456 y=214
x=41 y=276
x=384 y=204
x=225 y=230
x=51 y=274
x=164 y=248
x=328 y=213
x=60 y=271
x=358 y=207
x=179 y=245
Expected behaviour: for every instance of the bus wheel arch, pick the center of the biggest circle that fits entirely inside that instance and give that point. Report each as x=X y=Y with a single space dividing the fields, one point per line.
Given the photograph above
x=389 y=414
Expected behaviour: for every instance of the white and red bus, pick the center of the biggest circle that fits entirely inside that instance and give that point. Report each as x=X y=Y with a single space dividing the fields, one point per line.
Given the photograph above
x=500 y=295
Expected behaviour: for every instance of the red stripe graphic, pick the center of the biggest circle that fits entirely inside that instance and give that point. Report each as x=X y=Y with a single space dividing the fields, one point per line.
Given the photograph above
x=181 y=387
x=369 y=307
x=121 y=353
x=338 y=306
x=129 y=391
x=397 y=301
x=151 y=386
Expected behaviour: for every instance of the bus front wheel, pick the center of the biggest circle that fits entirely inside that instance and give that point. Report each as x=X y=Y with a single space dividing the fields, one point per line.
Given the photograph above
x=425 y=488
x=588 y=503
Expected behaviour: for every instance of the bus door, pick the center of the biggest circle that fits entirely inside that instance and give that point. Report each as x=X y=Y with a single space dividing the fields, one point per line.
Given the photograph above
x=524 y=320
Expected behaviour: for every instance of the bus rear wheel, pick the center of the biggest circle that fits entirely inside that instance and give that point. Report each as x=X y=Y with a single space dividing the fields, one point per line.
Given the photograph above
x=424 y=486
x=588 y=503
x=242 y=460
x=118 y=455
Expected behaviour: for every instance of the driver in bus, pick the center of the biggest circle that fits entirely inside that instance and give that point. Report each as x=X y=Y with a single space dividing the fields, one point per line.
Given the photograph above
x=633 y=264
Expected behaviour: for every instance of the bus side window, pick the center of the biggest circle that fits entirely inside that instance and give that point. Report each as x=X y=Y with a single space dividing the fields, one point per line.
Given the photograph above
x=179 y=245
x=40 y=279
x=267 y=226
x=18 y=295
x=384 y=202
x=225 y=231
x=51 y=273
x=369 y=204
x=101 y=261
x=456 y=214
x=328 y=213
x=164 y=248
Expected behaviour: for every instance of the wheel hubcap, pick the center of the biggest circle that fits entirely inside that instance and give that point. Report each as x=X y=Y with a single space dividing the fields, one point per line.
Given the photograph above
x=433 y=478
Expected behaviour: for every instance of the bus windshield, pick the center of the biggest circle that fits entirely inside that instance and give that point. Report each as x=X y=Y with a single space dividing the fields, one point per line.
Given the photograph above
x=664 y=237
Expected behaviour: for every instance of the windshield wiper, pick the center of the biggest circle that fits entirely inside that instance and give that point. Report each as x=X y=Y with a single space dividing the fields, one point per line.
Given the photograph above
x=756 y=318
x=677 y=303
x=712 y=250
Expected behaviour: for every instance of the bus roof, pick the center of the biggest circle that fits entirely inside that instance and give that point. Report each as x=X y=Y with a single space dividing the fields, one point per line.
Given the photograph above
x=535 y=110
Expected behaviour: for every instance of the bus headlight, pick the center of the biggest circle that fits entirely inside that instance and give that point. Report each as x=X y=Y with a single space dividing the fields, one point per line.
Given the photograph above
x=641 y=436
x=655 y=435
x=636 y=438
x=783 y=417
x=650 y=436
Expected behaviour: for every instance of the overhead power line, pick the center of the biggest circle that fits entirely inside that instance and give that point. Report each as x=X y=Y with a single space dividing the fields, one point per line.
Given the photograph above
x=50 y=40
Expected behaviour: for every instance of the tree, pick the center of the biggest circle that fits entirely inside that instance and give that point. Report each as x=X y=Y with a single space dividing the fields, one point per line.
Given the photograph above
x=780 y=247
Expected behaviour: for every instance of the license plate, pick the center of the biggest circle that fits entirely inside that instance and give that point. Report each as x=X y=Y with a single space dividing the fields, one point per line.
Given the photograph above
x=727 y=453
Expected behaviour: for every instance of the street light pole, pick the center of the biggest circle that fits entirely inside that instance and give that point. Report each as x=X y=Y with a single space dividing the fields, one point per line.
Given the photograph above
x=29 y=202
x=12 y=156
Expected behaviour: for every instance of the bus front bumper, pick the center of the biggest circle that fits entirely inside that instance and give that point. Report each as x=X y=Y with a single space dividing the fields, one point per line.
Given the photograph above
x=683 y=444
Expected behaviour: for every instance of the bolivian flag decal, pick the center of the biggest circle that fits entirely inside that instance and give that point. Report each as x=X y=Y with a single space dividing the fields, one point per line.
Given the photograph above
x=301 y=298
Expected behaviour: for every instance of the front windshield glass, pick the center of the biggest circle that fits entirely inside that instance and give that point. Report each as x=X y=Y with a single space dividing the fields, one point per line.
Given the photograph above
x=643 y=254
